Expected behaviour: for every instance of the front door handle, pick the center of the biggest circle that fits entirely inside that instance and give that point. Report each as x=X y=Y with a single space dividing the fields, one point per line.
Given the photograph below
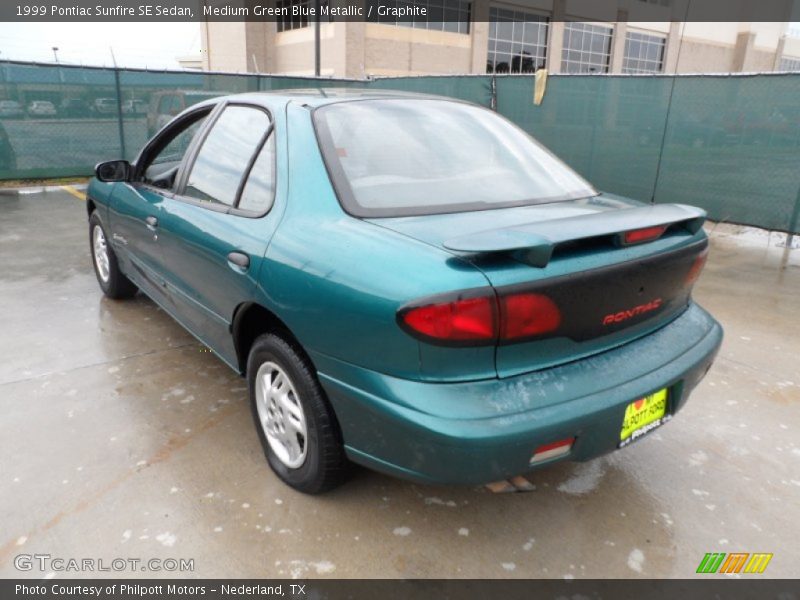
x=239 y=259
x=152 y=223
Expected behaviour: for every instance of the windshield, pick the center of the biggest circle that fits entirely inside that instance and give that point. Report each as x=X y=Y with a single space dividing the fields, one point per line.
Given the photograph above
x=398 y=157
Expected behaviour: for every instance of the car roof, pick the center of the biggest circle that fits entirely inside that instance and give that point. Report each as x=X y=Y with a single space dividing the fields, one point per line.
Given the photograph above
x=319 y=97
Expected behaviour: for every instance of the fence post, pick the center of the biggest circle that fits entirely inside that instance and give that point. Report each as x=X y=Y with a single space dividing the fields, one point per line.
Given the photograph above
x=793 y=221
x=493 y=89
x=120 y=126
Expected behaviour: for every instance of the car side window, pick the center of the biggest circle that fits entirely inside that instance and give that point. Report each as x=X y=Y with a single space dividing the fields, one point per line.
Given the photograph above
x=161 y=169
x=225 y=155
x=258 y=193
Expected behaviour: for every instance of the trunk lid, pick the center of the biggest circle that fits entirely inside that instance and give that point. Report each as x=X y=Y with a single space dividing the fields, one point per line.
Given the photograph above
x=573 y=252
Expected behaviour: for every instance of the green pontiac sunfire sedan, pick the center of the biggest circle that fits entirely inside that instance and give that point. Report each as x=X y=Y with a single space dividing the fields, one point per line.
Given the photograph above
x=408 y=282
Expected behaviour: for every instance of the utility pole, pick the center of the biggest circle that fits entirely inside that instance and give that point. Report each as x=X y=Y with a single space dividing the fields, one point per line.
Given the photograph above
x=317 y=50
x=55 y=52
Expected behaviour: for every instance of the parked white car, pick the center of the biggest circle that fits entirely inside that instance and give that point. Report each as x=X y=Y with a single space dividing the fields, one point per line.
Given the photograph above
x=11 y=109
x=41 y=108
x=105 y=106
x=134 y=107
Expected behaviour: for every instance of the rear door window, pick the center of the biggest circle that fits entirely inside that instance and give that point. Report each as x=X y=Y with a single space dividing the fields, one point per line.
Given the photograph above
x=225 y=155
x=259 y=190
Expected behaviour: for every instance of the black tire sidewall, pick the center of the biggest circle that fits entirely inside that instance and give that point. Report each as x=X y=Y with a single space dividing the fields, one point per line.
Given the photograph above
x=270 y=348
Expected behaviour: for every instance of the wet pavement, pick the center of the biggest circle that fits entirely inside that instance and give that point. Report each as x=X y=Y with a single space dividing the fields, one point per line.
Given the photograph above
x=121 y=437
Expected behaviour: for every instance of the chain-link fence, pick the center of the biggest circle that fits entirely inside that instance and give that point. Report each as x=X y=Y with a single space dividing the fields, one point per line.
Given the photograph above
x=730 y=144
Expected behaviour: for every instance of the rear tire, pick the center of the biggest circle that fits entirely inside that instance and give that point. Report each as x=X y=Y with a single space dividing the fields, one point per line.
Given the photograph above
x=296 y=425
x=112 y=281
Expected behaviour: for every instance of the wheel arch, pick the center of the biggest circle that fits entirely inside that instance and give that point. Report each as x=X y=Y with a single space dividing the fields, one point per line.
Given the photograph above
x=250 y=320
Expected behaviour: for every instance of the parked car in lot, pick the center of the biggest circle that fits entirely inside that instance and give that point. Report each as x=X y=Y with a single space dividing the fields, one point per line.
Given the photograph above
x=41 y=108
x=75 y=107
x=134 y=107
x=164 y=105
x=105 y=106
x=408 y=282
x=11 y=109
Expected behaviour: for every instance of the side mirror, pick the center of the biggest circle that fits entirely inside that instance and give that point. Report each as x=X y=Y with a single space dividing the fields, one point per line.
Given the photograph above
x=113 y=170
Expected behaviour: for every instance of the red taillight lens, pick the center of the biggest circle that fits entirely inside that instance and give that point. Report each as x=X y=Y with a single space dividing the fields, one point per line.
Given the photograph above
x=527 y=314
x=696 y=269
x=470 y=319
x=648 y=234
x=479 y=320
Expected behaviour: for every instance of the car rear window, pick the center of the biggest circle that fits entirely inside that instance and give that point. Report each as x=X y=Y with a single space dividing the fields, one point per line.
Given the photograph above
x=398 y=157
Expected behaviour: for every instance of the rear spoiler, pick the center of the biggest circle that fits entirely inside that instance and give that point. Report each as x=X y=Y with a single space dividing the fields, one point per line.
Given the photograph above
x=539 y=239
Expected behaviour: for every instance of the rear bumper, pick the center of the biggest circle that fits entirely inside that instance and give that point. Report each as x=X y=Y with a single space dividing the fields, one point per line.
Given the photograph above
x=476 y=432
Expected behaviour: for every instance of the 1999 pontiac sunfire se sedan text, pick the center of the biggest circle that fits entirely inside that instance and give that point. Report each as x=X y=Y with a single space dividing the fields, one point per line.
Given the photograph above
x=408 y=282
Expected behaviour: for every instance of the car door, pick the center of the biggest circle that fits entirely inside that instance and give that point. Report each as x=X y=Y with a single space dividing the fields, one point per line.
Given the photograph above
x=135 y=207
x=216 y=228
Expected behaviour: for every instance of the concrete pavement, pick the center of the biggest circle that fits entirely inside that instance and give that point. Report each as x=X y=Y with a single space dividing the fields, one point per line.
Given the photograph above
x=122 y=437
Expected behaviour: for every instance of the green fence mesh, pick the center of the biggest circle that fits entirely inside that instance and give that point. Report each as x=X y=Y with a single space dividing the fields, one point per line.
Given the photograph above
x=473 y=88
x=730 y=144
x=733 y=147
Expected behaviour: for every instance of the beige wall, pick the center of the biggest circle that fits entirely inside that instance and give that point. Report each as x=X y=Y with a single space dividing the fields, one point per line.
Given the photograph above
x=791 y=47
x=224 y=46
x=390 y=50
x=357 y=50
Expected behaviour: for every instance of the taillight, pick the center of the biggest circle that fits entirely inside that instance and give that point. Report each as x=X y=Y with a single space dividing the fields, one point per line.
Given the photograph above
x=696 y=268
x=647 y=234
x=464 y=320
x=526 y=315
x=482 y=319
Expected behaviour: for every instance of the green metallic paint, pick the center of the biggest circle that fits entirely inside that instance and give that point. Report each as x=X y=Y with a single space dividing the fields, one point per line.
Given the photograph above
x=431 y=413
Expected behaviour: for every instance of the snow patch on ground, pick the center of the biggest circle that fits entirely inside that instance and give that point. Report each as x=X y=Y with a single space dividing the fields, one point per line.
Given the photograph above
x=167 y=539
x=585 y=478
x=439 y=502
x=528 y=545
x=635 y=560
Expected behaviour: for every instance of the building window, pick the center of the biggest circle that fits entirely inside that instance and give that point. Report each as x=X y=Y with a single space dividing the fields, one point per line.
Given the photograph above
x=288 y=22
x=517 y=41
x=587 y=48
x=643 y=53
x=789 y=63
x=454 y=15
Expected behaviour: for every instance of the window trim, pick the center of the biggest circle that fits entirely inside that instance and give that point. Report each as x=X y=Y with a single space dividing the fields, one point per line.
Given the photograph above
x=785 y=63
x=609 y=57
x=156 y=145
x=183 y=175
x=663 y=61
x=544 y=16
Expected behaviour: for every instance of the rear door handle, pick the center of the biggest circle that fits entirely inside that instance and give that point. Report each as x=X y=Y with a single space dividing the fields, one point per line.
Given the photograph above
x=152 y=223
x=239 y=259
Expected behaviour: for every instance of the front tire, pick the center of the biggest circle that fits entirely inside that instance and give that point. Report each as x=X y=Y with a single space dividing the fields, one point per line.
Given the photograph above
x=112 y=281
x=296 y=425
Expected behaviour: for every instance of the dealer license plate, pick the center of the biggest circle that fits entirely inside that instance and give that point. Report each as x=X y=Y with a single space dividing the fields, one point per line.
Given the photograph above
x=642 y=416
